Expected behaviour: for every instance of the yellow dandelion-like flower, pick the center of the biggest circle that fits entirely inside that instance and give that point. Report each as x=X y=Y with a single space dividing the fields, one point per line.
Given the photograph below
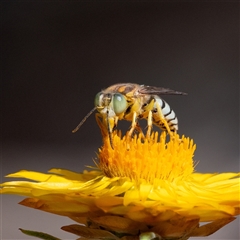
x=143 y=188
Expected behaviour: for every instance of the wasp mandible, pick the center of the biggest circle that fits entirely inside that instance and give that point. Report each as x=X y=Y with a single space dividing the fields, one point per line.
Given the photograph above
x=130 y=101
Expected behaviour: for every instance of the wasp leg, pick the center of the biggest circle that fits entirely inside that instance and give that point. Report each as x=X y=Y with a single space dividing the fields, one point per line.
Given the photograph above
x=149 y=124
x=133 y=127
x=134 y=124
x=163 y=120
x=139 y=129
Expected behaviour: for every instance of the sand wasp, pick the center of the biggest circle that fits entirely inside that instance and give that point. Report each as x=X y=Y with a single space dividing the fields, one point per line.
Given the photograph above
x=131 y=102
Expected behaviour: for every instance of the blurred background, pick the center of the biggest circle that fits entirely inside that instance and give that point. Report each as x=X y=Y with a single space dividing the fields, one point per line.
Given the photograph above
x=57 y=55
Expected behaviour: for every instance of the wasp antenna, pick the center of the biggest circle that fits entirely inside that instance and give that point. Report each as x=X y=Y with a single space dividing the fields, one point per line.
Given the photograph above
x=84 y=119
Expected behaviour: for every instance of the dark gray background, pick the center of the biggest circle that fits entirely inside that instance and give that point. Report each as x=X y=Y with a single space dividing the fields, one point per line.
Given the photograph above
x=57 y=55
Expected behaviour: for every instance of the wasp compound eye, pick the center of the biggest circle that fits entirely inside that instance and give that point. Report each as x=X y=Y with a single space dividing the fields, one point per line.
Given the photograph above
x=119 y=103
x=97 y=99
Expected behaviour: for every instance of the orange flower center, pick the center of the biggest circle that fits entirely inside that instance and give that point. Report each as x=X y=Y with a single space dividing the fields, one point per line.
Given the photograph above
x=148 y=159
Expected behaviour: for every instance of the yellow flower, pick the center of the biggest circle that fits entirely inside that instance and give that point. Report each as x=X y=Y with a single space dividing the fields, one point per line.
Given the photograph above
x=140 y=186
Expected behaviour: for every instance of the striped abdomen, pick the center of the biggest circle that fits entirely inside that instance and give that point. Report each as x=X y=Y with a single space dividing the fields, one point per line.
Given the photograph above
x=168 y=114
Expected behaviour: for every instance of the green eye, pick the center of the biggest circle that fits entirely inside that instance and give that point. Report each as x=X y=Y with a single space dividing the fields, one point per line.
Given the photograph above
x=119 y=103
x=96 y=100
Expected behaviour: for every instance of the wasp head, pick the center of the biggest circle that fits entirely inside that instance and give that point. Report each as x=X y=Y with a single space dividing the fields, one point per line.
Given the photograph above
x=111 y=107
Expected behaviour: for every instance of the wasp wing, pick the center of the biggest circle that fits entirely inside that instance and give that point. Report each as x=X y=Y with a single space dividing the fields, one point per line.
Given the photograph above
x=158 y=91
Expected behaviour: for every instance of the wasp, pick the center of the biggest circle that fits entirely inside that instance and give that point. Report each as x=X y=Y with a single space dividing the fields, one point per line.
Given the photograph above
x=130 y=101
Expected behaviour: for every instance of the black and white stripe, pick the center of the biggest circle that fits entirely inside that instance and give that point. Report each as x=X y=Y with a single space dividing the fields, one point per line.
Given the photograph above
x=168 y=114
